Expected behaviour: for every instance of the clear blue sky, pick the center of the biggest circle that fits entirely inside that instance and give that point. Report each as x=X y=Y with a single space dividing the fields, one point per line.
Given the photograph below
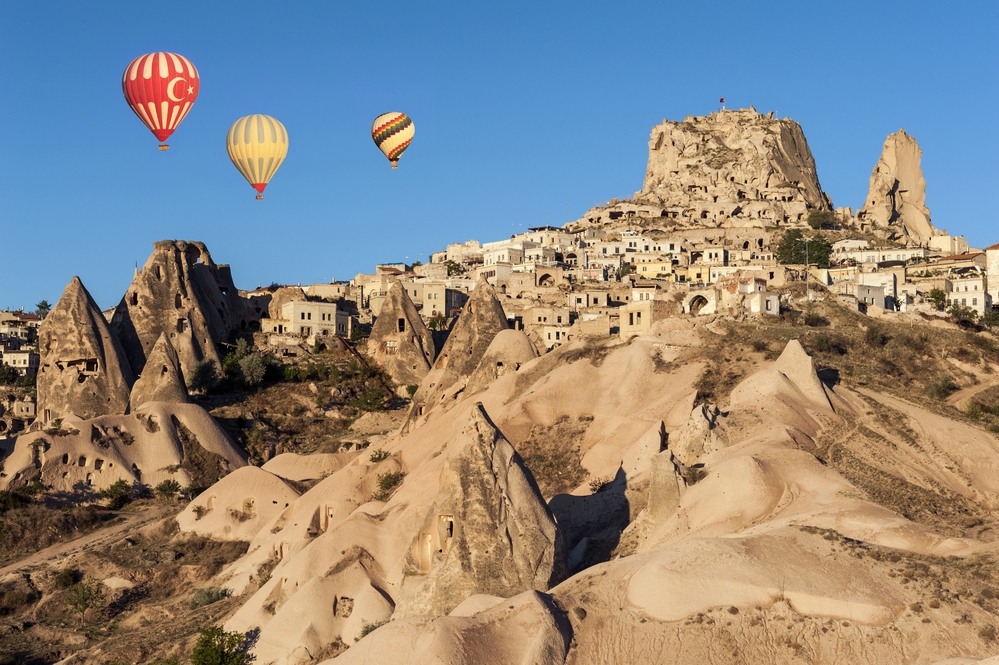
x=522 y=110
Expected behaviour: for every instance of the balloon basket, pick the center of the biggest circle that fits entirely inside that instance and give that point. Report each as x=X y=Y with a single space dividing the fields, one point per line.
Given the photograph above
x=260 y=197
x=395 y=165
x=164 y=146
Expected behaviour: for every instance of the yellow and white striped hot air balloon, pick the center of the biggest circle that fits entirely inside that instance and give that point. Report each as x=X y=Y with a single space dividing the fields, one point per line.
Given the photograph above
x=392 y=133
x=257 y=145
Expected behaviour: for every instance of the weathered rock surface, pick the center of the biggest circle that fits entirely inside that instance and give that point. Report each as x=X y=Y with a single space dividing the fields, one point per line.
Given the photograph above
x=400 y=341
x=238 y=506
x=161 y=379
x=506 y=353
x=282 y=296
x=732 y=168
x=481 y=320
x=83 y=369
x=529 y=628
x=182 y=293
x=896 y=199
x=489 y=530
x=156 y=442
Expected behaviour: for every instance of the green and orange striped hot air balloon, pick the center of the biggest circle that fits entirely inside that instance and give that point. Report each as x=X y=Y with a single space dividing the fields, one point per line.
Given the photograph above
x=393 y=132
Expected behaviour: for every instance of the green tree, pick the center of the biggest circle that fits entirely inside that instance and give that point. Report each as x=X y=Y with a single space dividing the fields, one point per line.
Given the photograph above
x=118 y=494
x=215 y=646
x=253 y=368
x=791 y=249
x=625 y=270
x=85 y=595
x=821 y=219
x=962 y=313
x=8 y=375
x=938 y=298
x=453 y=268
x=990 y=319
x=43 y=308
x=203 y=377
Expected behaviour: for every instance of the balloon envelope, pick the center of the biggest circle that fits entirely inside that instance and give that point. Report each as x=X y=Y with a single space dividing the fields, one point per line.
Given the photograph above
x=161 y=88
x=392 y=133
x=257 y=146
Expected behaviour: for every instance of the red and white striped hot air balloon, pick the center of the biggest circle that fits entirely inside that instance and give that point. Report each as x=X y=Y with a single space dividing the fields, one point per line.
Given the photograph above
x=161 y=88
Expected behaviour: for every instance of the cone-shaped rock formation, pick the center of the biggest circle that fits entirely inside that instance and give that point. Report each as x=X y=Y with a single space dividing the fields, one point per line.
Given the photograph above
x=181 y=293
x=480 y=321
x=83 y=370
x=489 y=530
x=399 y=341
x=506 y=353
x=161 y=379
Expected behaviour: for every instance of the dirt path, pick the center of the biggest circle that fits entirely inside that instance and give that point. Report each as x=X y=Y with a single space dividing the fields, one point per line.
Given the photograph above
x=100 y=536
x=962 y=398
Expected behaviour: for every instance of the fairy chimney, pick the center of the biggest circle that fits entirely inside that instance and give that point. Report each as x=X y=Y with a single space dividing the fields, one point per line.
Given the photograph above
x=83 y=370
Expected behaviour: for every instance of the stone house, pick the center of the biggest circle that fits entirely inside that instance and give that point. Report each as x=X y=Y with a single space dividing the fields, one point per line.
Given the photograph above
x=25 y=361
x=307 y=319
x=637 y=318
x=968 y=288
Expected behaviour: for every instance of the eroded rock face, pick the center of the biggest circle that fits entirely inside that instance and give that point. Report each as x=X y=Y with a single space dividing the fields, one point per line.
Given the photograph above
x=161 y=379
x=83 y=369
x=732 y=168
x=481 y=320
x=400 y=341
x=182 y=294
x=896 y=199
x=488 y=532
x=506 y=353
x=282 y=296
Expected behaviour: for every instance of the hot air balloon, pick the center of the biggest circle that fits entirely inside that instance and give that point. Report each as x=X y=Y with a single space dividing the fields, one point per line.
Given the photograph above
x=161 y=88
x=257 y=145
x=393 y=132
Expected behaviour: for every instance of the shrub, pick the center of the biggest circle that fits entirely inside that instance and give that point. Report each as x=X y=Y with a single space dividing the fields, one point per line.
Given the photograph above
x=600 y=484
x=387 y=482
x=118 y=494
x=760 y=345
x=207 y=596
x=942 y=389
x=203 y=377
x=820 y=219
x=168 y=488
x=66 y=578
x=253 y=368
x=368 y=628
x=378 y=455
x=814 y=319
x=875 y=336
x=215 y=646
x=411 y=389
x=975 y=410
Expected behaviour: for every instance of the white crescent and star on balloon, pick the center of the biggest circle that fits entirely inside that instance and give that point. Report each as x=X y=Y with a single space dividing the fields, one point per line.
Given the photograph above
x=171 y=88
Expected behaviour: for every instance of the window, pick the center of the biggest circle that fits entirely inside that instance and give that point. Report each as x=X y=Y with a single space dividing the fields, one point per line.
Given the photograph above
x=559 y=319
x=303 y=316
x=402 y=325
x=974 y=301
x=631 y=318
x=310 y=316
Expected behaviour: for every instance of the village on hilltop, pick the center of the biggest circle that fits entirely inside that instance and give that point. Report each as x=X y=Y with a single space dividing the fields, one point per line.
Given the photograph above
x=730 y=211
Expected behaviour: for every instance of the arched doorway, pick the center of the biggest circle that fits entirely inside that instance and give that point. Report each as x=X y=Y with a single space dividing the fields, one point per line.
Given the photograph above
x=697 y=303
